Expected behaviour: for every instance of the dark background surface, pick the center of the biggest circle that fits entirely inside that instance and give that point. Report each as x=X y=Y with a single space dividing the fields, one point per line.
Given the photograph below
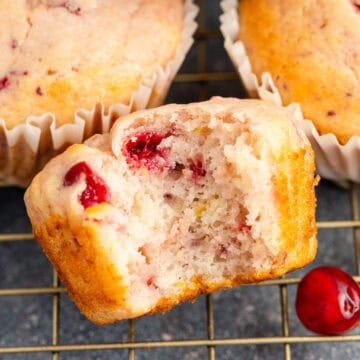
x=245 y=312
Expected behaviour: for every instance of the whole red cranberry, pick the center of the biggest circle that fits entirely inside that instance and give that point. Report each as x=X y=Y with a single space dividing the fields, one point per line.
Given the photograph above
x=96 y=190
x=328 y=301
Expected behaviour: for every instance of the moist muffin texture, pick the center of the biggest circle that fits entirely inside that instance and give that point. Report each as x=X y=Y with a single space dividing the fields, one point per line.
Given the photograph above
x=311 y=50
x=177 y=201
x=58 y=56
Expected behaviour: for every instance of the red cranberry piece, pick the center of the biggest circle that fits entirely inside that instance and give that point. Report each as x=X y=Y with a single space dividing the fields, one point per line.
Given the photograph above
x=14 y=44
x=96 y=190
x=142 y=150
x=71 y=7
x=4 y=82
x=328 y=301
x=197 y=169
x=356 y=5
x=151 y=282
x=223 y=251
x=243 y=227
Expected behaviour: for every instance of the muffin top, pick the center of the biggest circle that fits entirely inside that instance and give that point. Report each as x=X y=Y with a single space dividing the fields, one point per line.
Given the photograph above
x=312 y=51
x=58 y=56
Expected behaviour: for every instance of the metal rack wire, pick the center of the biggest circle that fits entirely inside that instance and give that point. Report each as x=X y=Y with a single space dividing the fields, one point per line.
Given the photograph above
x=212 y=342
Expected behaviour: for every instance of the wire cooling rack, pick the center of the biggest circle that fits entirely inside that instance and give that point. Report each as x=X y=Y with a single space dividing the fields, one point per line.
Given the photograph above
x=38 y=321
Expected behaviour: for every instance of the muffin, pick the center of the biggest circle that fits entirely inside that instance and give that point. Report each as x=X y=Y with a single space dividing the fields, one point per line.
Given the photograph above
x=175 y=202
x=81 y=63
x=304 y=52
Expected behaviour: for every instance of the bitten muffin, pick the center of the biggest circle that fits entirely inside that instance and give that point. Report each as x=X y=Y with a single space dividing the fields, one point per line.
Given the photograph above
x=175 y=202
x=311 y=50
x=58 y=56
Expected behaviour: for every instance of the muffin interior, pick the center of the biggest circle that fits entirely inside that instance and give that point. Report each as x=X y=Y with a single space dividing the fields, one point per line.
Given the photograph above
x=192 y=216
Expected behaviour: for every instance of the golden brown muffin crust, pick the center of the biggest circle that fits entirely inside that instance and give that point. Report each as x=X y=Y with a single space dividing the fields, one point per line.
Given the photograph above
x=311 y=50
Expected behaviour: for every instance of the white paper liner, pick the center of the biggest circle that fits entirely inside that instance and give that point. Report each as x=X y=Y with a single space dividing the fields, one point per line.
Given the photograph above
x=27 y=147
x=333 y=160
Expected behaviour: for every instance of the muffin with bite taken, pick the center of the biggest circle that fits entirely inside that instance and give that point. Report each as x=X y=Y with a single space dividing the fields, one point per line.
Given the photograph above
x=177 y=201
